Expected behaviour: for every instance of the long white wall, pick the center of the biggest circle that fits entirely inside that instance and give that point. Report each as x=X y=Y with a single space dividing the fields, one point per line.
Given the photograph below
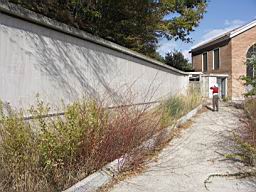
x=38 y=58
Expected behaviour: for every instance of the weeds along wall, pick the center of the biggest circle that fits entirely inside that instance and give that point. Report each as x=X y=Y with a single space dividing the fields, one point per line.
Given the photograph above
x=39 y=56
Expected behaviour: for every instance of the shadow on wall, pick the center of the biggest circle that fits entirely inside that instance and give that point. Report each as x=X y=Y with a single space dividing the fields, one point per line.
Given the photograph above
x=78 y=67
x=69 y=66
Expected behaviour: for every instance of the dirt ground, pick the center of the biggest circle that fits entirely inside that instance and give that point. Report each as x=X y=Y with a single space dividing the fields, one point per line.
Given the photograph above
x=187 y=161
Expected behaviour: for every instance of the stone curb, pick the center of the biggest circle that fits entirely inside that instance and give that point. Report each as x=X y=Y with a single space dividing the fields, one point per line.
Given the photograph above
x=96 y=180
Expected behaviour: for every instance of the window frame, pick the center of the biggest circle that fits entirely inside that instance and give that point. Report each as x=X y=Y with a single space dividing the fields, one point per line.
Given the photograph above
x=213 y=60
x=253 y=47
x=205 y=53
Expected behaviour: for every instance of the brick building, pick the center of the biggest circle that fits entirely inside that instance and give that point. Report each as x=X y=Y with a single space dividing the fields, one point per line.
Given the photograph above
x=222 y=60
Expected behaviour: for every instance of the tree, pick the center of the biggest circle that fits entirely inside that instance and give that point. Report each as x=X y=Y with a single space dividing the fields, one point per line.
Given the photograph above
x=135 y=24
x=176 y=59
x=250 y=80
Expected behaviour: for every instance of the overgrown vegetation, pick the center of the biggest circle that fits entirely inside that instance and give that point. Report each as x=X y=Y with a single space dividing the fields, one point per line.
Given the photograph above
x=250 y=78
x=179 y=105
x=246 y=137
x=135 y=24
x=50 y=154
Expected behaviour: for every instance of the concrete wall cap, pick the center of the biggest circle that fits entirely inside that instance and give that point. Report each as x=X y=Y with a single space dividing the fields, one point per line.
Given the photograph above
x=25 y=14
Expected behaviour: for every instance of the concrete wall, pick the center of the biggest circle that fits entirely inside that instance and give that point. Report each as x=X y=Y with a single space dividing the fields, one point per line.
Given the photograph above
x=205 y=86
x=41 y=56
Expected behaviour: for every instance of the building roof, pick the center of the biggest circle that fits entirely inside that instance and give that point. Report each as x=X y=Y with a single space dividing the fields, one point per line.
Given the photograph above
x=224 y=36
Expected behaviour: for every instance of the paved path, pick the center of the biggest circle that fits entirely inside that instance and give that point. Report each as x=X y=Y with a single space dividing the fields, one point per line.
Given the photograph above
x=187 y=161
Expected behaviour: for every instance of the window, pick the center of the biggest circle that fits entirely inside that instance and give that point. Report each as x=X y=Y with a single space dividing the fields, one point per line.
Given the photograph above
x=216 y=59
x=250 y=72
x=205 y=62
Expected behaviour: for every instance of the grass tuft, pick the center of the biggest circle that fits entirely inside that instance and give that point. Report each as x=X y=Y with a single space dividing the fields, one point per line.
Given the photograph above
x=51 y=154
x=245 y=139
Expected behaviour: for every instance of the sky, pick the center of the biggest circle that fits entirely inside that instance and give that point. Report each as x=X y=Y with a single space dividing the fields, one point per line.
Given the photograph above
x=221 y=16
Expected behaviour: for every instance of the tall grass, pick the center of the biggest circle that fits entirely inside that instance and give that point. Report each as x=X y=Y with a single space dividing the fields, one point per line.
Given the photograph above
x=51 y=154
x=246 y=139
x=178 y=105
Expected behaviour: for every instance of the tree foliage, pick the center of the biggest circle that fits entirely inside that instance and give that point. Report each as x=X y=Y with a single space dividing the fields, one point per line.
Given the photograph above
x=176 y=59
x=135 y=24
x=250 y=81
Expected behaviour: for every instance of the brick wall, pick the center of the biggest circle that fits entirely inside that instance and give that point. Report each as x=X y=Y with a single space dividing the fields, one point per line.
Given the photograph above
x=232 y=59
x=240 y=46
x=225 y=60
x=225 y=63
x=197 y=62
x=209 y=61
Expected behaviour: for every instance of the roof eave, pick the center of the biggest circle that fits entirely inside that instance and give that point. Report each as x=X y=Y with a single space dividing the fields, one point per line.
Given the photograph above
x=243 y=29
x=225 y=36
x=212 y=42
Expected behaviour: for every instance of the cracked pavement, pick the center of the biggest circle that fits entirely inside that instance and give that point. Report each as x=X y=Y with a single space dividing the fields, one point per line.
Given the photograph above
x=187 y=161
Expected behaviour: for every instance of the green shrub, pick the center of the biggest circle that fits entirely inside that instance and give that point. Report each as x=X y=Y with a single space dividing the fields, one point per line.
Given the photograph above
x=19 y=154
x=226 y=99
x=245 y=139
x=250 y=107
x=51 y=154
x=174 y=106
x=178 y=105
x=250 y=81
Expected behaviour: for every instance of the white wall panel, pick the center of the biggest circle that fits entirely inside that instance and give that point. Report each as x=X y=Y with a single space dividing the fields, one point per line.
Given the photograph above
x=38 y=60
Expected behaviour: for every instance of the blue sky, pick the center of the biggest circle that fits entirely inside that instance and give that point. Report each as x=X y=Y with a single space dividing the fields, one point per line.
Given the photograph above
x=221 y=16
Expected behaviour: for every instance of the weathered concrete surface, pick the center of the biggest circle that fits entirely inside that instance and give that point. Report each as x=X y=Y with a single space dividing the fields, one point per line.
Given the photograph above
x=186 y=162
x=60 y=63
x=97 y=179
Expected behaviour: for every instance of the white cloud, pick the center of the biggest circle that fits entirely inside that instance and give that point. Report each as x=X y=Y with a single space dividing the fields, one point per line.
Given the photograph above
x=229 y=25
x=215 y=32
x=234 y=22
x=186 y=54
x=166 y=46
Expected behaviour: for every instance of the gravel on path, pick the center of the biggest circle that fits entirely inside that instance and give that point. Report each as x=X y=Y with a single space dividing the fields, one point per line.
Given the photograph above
x=187 y=161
